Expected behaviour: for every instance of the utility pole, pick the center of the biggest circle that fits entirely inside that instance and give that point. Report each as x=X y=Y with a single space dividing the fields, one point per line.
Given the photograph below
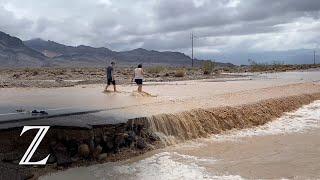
x=192 y=47
x=314 y=57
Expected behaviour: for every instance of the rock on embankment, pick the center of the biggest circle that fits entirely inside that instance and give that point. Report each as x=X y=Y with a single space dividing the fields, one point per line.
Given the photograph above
x=72 y=147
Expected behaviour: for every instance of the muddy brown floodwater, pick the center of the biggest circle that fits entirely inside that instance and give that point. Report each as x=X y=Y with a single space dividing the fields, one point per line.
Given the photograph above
x=287 y=147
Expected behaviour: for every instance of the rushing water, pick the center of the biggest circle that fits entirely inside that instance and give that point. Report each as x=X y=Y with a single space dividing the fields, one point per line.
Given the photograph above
x=302 y=76
x=15 y=103
x=288 y=147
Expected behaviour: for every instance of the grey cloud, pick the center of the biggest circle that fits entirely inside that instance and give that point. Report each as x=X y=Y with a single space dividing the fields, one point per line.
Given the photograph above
x=223 y=25
x=11 y=24
x=177 y=15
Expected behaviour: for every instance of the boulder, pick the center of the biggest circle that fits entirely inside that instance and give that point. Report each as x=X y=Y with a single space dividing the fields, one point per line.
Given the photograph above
x=84 y=150
x=120 y=139
x=97 y=151
x=102 y=156
x=62 y=155
x=141 y=144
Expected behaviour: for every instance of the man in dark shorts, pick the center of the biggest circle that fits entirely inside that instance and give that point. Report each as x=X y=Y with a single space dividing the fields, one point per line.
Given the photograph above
x=110 y=77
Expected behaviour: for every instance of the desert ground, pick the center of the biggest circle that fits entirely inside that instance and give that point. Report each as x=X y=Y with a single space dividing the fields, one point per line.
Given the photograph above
x=53 y=77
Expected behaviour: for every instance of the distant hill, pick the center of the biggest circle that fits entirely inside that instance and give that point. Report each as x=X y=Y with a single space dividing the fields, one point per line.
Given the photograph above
x=13 y=53
x=154 y=57
x=86 y=55
x=63 y=55
x=39 y=53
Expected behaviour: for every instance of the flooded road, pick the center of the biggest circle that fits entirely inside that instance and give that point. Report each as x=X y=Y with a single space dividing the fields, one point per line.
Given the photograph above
x=287 y=147
x=90 y=97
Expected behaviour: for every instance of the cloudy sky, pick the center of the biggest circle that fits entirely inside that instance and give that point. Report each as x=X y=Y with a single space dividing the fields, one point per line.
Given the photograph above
x=222 y=26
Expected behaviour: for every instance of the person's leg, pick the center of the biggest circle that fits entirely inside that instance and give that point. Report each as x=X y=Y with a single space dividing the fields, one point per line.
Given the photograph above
x=108 y=84
x=139 y=85
x=136 y=81
x=114 y=85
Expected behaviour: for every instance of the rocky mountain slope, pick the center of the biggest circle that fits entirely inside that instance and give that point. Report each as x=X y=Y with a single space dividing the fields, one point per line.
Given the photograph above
x=14 y=53
x=39 y=53
x=86 y=55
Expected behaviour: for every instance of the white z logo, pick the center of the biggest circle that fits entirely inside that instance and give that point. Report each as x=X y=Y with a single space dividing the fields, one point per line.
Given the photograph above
x=34 y=145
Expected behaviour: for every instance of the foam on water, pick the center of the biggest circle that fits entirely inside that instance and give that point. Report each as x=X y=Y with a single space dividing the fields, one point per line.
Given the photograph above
x=163 y=165
x=302 y=120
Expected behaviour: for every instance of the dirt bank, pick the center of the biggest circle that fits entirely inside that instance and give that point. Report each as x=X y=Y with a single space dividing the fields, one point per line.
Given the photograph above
x=80 y=147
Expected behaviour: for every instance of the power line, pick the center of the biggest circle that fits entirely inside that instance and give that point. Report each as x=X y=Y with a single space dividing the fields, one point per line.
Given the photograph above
x=314 y=57
x=192 y=37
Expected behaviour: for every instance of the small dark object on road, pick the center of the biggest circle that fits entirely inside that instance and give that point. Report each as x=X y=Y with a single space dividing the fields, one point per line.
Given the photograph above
x=44 y=112
x=39 y=112
x=35 y=112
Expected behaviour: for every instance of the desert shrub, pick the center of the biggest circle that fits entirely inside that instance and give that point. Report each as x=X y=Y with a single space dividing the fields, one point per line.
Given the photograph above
x=274 y=66
x=192 y=69
x=28 y=70
x=35 y=73
x=180 y=73
x=207 y=67
x=31 y=71
x=257 y=67
x=16 y=76
x=60 y=71
x=155 y=69
x=278 y=65
x=227 y=69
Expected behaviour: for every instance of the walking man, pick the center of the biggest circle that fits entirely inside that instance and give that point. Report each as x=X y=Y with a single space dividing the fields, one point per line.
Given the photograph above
x=110 y=77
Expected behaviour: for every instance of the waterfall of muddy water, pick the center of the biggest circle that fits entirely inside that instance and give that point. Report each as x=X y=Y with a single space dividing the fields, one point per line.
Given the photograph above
x=287 y=147
x=178 y=127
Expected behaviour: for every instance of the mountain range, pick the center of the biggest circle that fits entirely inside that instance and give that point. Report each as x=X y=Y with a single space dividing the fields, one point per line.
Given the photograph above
x=40 y=53
x=90 y=56
x=14 y=53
